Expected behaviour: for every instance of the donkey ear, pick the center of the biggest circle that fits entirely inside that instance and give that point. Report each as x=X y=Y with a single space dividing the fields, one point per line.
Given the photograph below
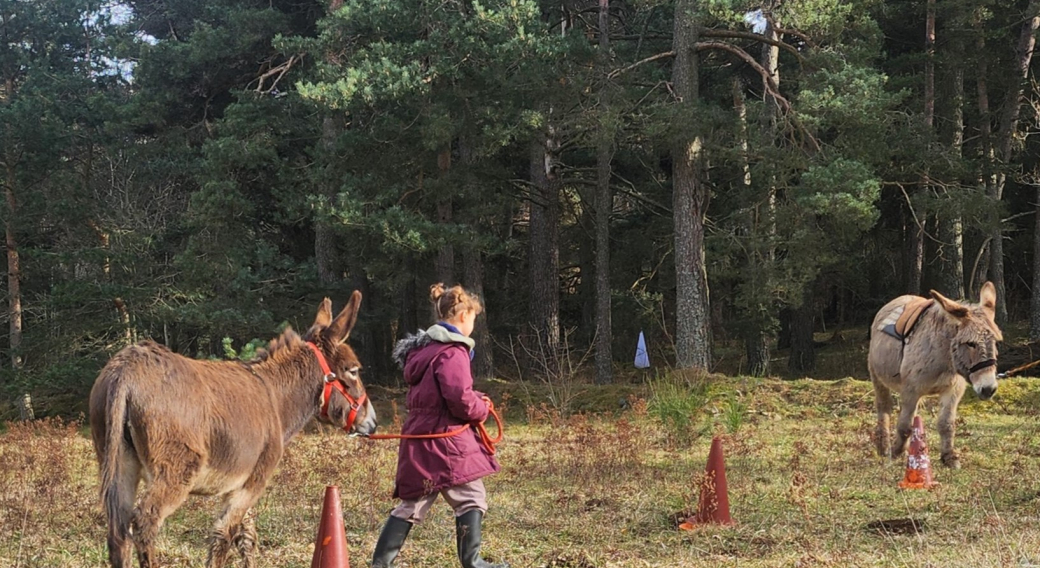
x=953 y=308
x=339 y=329
x=988 y=297
x=324 y=317
x=988 y=301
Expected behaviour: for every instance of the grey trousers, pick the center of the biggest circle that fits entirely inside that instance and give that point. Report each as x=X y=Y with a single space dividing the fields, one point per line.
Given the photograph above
x=462 y=498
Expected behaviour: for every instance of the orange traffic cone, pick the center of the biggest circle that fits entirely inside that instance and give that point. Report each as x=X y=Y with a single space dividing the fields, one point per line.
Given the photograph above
x=714 y=501
x=330 y=547
x=918 y=466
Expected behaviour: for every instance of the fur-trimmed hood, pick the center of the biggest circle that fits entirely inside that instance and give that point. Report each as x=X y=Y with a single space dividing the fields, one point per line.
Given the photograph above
x=436 y=332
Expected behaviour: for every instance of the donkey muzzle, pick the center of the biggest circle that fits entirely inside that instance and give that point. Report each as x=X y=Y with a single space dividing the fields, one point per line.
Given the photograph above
x=983 y=378
x=366 y=426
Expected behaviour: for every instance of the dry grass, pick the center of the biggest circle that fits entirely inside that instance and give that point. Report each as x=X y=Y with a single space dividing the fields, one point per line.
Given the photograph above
x=601 y=491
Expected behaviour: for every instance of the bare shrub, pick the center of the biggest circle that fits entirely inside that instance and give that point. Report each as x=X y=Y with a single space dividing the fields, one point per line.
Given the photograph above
x=557 y=371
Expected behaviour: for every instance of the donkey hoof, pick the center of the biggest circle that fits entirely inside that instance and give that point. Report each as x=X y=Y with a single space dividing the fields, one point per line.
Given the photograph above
x=951 y=461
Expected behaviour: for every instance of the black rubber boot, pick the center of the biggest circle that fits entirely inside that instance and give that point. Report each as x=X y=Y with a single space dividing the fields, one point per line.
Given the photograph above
x=467 y=534
x=390 y=542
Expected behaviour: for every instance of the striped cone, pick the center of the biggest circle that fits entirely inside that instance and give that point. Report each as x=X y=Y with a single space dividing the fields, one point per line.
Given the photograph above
x=918 y=466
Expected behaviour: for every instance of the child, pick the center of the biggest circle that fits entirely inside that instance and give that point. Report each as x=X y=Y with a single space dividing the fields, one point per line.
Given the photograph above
x=440 y=399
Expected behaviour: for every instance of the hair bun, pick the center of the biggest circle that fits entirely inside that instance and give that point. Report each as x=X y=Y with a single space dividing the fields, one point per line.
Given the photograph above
x=436 y=291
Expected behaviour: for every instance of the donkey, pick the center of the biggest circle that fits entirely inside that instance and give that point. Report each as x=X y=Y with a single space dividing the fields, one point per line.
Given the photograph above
x=921 y=347
x=215 y=428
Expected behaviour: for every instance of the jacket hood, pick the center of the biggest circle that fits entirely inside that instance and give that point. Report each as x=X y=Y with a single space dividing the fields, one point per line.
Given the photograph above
x=435 y=333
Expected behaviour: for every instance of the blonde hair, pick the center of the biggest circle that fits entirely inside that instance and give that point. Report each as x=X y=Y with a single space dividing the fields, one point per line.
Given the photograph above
x=450 y=302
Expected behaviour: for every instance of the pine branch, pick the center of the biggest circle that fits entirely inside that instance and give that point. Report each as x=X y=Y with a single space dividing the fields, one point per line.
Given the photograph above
x=795 y=33
x=733 y=34
x=767 y=78
x=663 y=55
x=279 y=70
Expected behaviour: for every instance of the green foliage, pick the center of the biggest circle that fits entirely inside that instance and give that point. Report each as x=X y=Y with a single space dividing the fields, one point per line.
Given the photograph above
x=172 y=172
x=734 y=413
x=844 y=191
x=680 y=405
x=248 y=351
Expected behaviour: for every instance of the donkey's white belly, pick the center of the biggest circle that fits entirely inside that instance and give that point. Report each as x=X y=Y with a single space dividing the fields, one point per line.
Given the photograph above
x=213 y=482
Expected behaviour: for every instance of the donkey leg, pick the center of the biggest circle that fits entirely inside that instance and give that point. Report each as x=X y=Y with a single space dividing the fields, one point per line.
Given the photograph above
x=160 y=499
x=234 y=528
x=227 y=527
x=171 y=483
x=948 y=402
x=904 y=427
x=246 y=539
x=883 y=403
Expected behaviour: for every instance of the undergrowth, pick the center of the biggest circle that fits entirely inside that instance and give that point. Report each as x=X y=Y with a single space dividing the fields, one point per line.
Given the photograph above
x=603 y=490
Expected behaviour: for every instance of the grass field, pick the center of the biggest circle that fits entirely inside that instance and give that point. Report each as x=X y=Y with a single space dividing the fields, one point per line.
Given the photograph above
x=602 y=490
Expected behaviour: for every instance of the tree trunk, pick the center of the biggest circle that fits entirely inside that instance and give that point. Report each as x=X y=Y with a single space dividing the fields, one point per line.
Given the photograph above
x=25 y=408
x=325 y=253
x=1034 y=304
x=757 y=331
x=604 y=207
x=740 y=107
x=917 y=229
x=14 y=274
x=756 y=345
x=803 y=346
x=544 y=256
x=689 y=203
x=980 y=269
x=409 y=316
x=756 y=348
x=951 y=226
x=372 y=339
x=446 y=256
x=483 y=358
x=1005 y=143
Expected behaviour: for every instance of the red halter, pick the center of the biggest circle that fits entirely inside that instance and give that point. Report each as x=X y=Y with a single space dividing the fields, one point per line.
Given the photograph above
x=332 y=383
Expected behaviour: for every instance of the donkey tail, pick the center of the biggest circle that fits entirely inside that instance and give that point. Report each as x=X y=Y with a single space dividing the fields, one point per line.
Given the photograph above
x=113 y=491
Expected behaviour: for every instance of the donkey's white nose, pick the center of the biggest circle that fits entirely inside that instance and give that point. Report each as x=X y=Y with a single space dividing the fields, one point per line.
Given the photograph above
x=368 y=425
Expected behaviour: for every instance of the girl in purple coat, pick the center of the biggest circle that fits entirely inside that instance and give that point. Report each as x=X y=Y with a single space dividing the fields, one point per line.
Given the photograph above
x=436 y=365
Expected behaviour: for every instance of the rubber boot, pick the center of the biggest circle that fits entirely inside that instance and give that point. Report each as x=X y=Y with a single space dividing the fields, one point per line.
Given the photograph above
x=467 y=534
x=390 y=542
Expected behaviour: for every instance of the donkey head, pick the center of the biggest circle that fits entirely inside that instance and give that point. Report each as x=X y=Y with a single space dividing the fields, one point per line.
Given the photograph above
x=330 y=335
x=974 y=345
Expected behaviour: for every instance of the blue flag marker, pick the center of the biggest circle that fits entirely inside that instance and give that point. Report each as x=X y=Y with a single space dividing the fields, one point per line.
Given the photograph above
x=642 y=358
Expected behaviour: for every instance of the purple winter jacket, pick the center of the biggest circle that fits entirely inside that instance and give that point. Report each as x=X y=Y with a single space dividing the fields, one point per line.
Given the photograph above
x=440 y=398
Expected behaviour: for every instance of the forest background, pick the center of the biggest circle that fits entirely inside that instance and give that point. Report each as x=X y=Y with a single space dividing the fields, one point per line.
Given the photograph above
x=203 y=172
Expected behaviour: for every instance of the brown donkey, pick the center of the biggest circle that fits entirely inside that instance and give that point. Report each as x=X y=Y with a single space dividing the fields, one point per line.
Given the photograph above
x=214 y=428
x=921 y=347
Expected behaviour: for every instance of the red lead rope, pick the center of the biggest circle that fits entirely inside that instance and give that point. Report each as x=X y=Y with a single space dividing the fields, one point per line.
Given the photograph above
x=486 y=440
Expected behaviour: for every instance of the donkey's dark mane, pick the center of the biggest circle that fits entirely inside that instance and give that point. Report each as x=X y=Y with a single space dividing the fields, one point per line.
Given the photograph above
x=278 y=346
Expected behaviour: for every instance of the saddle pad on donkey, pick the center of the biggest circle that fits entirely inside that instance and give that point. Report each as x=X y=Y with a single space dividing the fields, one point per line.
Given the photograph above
x=901 y=320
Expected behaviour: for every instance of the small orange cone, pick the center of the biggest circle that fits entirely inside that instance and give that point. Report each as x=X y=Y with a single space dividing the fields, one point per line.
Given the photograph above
x=330 y=547
x=714 y=501
x=918 y=466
